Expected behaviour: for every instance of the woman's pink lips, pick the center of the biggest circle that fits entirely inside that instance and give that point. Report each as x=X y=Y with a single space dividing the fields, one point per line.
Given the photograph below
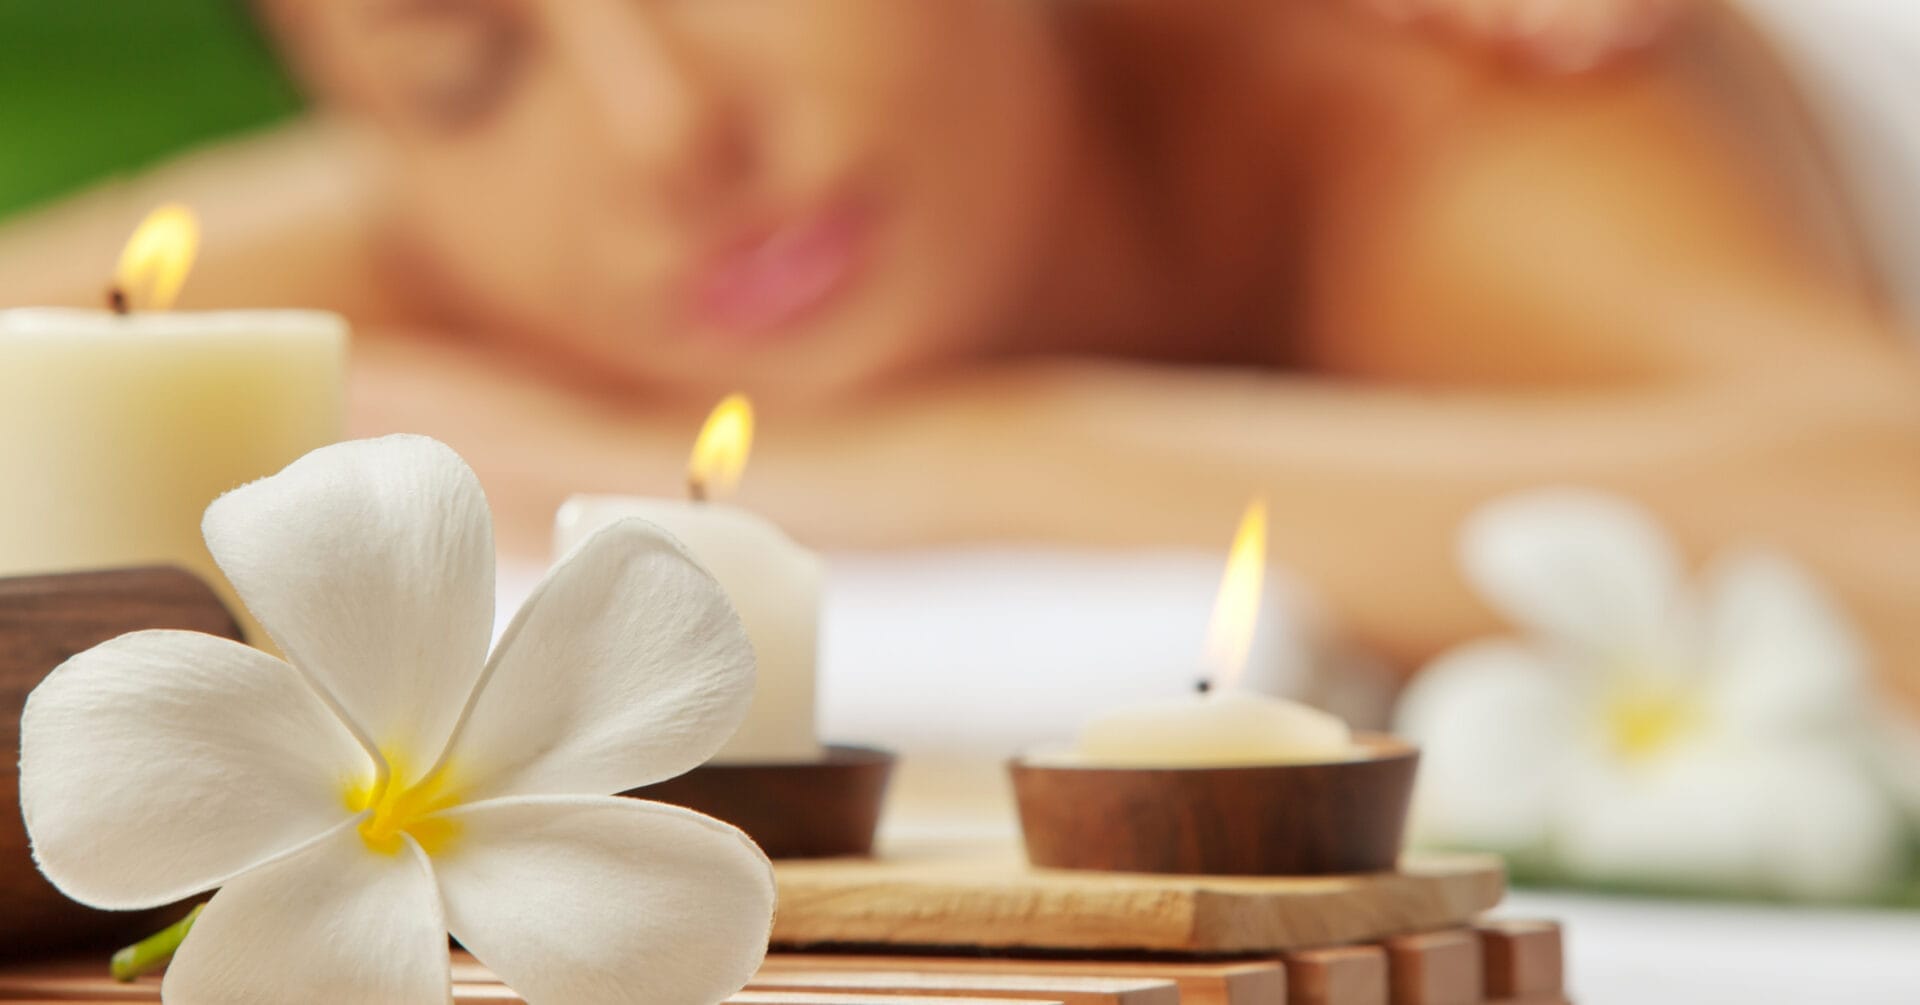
x=762 y=286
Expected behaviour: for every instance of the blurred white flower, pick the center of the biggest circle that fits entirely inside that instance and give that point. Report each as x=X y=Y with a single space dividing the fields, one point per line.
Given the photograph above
x=1649 y=731
x=393 y=783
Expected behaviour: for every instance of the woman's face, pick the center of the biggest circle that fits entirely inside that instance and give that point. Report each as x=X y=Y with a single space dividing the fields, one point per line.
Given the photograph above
x=786 y=197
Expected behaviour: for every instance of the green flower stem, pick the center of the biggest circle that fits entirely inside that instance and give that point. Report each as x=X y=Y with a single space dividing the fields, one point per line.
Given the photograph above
x=153 y=952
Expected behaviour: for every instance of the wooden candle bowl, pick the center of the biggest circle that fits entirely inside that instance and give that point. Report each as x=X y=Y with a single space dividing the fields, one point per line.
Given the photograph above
x=807 y=809
x=43 y=621
x=1279 y=820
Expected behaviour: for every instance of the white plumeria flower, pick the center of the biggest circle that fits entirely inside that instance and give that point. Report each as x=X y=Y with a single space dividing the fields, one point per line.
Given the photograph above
x=1646 y=732
x=391 y=783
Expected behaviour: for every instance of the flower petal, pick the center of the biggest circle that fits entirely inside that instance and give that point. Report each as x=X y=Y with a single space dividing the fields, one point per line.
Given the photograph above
x=371 y=563
x=160 y=763
x=337 y=922
x=1690 y=818
x=589 y=899
x=627 y=666
x=1893 y=741
x=1835 y=833
x=1782 y=657
x=1799 y=819
x=1581 y=569
x=1493 y=723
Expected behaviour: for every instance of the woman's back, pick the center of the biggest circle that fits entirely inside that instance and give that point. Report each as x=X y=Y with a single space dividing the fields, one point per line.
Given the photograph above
x=1402 y=213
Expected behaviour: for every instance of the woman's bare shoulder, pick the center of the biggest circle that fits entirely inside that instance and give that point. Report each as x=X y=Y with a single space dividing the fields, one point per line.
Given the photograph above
x=1469 y=220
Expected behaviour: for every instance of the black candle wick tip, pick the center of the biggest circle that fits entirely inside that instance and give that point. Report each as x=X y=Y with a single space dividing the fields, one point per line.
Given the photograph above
x=1203 y=685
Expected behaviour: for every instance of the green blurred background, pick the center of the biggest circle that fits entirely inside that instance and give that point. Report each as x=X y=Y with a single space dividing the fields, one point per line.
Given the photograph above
x=89 y=88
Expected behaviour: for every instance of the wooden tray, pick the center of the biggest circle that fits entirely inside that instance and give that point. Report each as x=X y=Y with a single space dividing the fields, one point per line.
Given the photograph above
x=996 y=901
x=1497 y=963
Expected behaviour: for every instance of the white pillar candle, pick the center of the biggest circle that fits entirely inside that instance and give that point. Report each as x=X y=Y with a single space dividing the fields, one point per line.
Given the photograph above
x=117 y=430
x=774 y=583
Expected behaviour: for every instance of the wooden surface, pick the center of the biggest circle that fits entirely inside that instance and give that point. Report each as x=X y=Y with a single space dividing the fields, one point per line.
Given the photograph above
x=1266 y=820
x=996 y=901
x=43 y=621
x=1343 y=975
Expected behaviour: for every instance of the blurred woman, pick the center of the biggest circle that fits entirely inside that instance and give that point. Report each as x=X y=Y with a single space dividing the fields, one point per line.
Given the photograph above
x=1089 y=272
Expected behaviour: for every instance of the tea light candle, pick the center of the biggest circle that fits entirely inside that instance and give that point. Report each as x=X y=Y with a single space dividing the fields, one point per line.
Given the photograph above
x=1218 y=729
x=774 y=583
x=117 y=429
x=1221 y=726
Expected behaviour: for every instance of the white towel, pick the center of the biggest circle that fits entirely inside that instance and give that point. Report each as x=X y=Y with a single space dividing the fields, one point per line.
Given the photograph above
x=1858 y=63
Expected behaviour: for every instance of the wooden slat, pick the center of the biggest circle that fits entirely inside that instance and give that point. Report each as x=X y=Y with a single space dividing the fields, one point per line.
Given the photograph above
x=479 y=993
x=1196 y=983
x=1200 y=983
x=88 y=981
x=1071 y=990
x=806 y=998
x=997 y=902
x=466 y=969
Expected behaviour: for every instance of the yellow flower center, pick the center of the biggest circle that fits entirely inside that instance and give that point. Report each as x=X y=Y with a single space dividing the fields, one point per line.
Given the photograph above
x=400 y=807
x=1644 y=716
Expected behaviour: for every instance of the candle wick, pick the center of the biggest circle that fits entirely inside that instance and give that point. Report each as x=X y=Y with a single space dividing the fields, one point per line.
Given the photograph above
x=697 y=489
x=117 y=300
x=1203 y=685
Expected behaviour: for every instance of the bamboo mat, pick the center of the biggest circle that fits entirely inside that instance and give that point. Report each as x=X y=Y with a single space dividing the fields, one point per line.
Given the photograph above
x=1504 y=962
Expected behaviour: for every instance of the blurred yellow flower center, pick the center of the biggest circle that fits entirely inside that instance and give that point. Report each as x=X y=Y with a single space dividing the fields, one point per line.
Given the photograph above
x=404 y=809
x=1644 y=717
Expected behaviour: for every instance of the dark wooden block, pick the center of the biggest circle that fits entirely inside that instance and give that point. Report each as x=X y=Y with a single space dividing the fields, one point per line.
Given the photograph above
x=44 y=620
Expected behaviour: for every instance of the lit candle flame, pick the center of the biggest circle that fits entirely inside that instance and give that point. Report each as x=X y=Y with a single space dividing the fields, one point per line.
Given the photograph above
x=720 y=453
x=1236 y=613
x=155 y=262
